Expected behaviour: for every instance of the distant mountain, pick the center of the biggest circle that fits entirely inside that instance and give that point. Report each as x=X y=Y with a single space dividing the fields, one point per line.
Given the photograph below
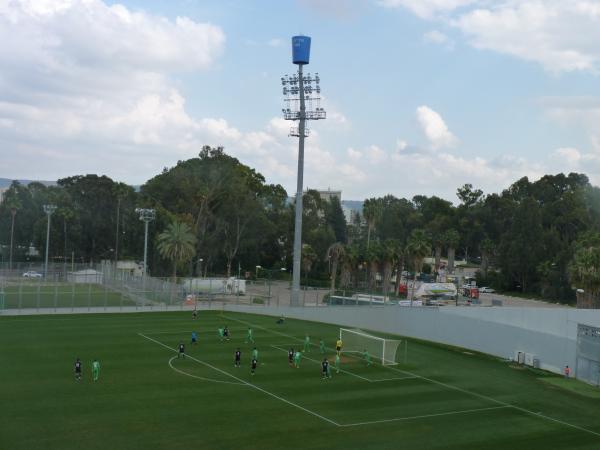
x=6 y=182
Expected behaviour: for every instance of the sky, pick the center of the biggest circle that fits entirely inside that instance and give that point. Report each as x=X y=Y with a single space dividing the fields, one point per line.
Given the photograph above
x=421 y=96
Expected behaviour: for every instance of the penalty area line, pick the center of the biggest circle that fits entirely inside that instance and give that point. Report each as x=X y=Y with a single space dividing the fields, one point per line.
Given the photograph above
x=425 y=416
x=264 y=391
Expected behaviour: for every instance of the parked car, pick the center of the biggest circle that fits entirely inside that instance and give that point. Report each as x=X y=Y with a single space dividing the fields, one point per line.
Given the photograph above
x=32 y=274
x=486 y=290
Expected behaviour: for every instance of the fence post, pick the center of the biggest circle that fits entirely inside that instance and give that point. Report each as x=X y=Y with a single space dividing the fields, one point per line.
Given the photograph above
x=38 y=297
x=72 y=297
x=20 y=295
x=105 y=296
x=55 y=296
x=89 y=296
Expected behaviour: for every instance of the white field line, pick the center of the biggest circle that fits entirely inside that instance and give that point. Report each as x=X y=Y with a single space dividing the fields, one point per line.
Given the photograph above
x=246 y=383
x=425 y=416
x=319 y=362
x=449 y=386
x=200 y=378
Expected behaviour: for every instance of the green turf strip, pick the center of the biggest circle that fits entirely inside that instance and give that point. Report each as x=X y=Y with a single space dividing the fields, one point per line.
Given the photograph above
x=452 y=400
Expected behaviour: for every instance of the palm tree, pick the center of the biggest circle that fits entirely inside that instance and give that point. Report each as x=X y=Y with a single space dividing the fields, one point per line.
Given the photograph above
x=374 y=258
x=452 y=239
x=349 y=261
x=309 y=256
x=177 y=243
x=418 y=248
x=584 y=271
x=335 y=253
x=372 y=210
x=389 y=257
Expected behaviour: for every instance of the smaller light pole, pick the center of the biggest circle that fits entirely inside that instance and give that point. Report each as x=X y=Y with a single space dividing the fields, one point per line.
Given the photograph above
x=270 y=272
x=146 y=216
x=200 y=264
x=48 y=209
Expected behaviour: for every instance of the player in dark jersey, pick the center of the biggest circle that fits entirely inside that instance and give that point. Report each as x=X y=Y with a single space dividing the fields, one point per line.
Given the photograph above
x=226 y=333
x=194 y=315
x=238 y=358
x=291 y=356
x=325 y=369
x=181 y=350
x=78 y=369
x=254 y=362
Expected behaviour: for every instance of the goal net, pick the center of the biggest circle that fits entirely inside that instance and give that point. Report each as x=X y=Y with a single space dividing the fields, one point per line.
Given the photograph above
x=357 y=341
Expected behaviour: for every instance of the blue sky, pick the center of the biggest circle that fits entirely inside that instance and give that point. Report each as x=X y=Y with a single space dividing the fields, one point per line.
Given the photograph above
x=422 y=95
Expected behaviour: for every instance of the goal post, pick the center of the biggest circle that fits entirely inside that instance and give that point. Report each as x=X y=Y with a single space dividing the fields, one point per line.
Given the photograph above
x=357 y=341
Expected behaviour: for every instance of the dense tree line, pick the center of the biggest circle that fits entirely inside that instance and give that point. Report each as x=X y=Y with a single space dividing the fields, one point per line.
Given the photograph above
x=217 y=215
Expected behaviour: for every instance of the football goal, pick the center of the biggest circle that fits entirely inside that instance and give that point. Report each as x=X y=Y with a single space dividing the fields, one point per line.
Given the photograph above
x=357 y=341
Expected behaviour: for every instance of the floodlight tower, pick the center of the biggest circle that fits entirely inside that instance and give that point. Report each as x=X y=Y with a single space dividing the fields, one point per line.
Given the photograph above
x=146 y=216
x=48 y=209
x=298 y=91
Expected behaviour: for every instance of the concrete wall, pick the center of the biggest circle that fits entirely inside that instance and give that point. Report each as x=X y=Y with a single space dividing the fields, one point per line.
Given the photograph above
x=549 y=334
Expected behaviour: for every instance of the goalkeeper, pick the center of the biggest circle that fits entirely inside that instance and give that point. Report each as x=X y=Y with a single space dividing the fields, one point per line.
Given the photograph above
x=338 y=346
x=367 y=357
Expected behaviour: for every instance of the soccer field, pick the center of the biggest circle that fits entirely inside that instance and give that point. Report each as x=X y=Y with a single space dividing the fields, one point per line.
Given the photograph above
x=146 y=398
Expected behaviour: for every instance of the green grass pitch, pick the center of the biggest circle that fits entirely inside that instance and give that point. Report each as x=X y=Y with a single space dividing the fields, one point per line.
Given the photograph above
x=442 y=398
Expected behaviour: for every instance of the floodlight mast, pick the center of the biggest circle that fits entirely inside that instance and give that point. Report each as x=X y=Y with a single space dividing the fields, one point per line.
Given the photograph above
x=298 y=89
x=146 y=216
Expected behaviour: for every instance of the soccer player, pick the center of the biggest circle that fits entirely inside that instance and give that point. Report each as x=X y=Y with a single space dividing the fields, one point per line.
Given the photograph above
x=95 y=370
x=291 y=356
x=325 y=373
x=253 y=366
x=194 y=314
x=255 y=354
x=194 y=338
x=249 y=337
x=338 y=346
x=226 y=333
x=367 y=357
x=78 y=369
x=238 y=358
x=181 y=350
x=297 y=358
x=337 y=363
x=221 y=335
x=322 y=345
x=307 y=343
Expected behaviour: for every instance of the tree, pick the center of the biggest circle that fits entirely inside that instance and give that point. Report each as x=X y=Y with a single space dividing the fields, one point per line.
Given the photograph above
x=13 y=203
x=372 y=213
x=334 y=217
x=309 y=256
x=335 y=253
x=418 y=247
x=452 y=239
x=177 y=244
x=584 y=270
x=389 y=256
x=487 y=250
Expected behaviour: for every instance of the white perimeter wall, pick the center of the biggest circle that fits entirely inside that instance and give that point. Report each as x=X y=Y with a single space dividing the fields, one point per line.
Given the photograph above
x=550 y=334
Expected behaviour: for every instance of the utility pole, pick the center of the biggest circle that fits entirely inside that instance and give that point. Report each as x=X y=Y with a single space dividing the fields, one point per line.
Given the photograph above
x=48 y=209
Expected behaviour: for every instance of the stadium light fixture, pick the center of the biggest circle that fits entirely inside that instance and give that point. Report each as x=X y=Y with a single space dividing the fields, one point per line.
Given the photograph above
x=302 y=102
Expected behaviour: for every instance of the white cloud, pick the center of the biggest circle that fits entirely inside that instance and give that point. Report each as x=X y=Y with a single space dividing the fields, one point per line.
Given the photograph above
x=560 y=35
x=401 y=144
x=375 y=154
x=434 y=128
x=427 y=8
x=354 y=155
x=435 y=37
x=86 y=86
x=276 y=42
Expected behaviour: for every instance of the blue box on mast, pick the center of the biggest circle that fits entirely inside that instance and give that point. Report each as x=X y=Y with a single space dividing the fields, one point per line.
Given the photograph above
x=301 y=49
